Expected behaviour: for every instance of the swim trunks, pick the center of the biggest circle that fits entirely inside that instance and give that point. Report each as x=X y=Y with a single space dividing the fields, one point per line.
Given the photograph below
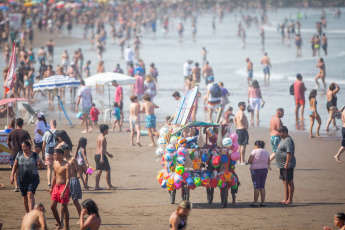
x=56 y=194
x=250 y=73
x=134 y=123
x=151 y=121
x=86 y=110
x=266 y=70
x=243 y=136
x=300 y=101
x=75 y=189
x=343 y=133
x=29 y=186
x=275 y=140
x=99 y=166
x=286 y=174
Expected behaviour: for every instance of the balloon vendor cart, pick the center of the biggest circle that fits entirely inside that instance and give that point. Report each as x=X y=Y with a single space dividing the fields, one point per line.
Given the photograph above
x=197 y=154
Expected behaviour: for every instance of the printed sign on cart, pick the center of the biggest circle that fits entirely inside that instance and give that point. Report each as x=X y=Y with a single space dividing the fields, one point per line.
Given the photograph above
x=5 y=152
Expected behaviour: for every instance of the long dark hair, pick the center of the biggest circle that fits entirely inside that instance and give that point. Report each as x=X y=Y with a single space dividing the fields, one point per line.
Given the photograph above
x=255 y=84
x=91 y=207
x=64 y=137
x=82 y=144
x=312 y=94
x=43 y=118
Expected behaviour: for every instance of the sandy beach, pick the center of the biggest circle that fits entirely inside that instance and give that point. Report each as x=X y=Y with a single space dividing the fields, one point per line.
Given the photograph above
x=140 y=203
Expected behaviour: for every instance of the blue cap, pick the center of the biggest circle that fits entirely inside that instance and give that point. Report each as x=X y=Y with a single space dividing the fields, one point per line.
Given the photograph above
x=298 y=75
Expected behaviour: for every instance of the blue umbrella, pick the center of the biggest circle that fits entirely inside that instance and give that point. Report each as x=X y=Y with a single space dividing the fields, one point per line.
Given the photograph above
x=56 y=82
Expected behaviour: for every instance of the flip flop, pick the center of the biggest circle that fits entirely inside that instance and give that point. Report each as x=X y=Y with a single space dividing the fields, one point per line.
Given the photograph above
x=253 y=205
x=112 y=188
x=262 y=205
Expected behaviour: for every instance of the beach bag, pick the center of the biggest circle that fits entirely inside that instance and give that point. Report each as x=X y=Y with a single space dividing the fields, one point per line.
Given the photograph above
x=50 y=144
x=292 y=90
x=215 y=90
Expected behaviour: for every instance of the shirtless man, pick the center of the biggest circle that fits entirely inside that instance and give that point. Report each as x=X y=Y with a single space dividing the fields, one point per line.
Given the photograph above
x=265 y=61
x=342 y=148
x=148 y=108
x=324 y=43
x=74 y=185
x=275 y=124
x=73 y=72
x=241 y=123
x=60 y=187
x=41 y=54
x=250 y=71
x=50 y=46
x=101 y=159
x=196 y=72
x=134 y=121
x=206 y=72
x=48 y=73
x=35 y=219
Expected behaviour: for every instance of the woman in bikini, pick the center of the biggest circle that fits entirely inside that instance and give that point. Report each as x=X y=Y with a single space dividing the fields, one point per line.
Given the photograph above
x=178 y=219
x=332 y=104
x=81 y=157
x=322 y=73
x=313 y=114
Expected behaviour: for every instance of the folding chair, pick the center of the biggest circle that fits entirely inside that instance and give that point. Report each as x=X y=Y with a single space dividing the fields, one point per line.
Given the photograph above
x=32 y=113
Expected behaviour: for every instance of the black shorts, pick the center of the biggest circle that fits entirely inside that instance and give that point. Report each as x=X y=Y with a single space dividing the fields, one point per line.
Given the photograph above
x=243 y=136
x=343 y=133
x=29 y=186
x=121 y=105
x=105 y=166
x=286 y=174
x=38 y=144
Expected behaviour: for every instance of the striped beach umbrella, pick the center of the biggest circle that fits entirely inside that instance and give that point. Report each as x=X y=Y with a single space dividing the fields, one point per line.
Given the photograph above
x=56 y=82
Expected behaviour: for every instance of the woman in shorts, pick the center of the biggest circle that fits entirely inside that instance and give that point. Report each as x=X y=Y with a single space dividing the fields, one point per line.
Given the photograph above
x=259 y=161
x=28 y=178
x=254 y=100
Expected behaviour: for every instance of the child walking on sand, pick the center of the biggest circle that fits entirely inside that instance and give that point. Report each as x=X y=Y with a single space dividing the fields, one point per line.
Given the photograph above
x=60 y=187
x=94 y=114
x=148 y=108
x=134 y=121
x=117 y=120
x=81 y=157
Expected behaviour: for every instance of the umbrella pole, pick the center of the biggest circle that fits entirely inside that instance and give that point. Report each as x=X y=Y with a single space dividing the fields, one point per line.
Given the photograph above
x=59 y=108
x=109 y=103
x=16 y=111
x=8 y=112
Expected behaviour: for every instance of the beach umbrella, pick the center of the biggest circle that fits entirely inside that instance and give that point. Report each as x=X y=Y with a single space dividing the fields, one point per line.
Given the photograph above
x=56 y=82
x=3 y=7
x=5 y=101
x=60 y=4
x=68 y=5
x=106 y=78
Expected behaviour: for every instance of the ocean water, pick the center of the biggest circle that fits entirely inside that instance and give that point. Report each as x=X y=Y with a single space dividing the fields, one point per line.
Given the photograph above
x=227 y=58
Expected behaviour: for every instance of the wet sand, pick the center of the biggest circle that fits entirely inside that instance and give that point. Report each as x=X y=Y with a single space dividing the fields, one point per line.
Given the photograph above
x=140 y=203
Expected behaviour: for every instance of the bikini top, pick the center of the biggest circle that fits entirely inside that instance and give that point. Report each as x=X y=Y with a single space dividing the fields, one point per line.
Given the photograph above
x=181 y=225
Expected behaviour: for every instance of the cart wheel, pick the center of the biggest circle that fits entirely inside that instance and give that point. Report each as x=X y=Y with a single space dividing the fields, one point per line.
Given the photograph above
x=172 y=196
x=224 y=196
x=210 y=192
x=185 y=192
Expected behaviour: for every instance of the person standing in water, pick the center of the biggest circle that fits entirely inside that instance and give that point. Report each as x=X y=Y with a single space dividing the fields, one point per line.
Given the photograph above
x=342 y=148
x=265 y=61
x=204 y=53
x=298 y=42
x=321 y=74
x=313 y=114
x=324 y=43
x=299 y=90
x=250 y=70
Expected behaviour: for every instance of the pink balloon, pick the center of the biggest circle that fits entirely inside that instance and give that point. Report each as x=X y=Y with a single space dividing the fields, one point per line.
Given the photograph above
x=235 y=156
x=234 y=147
x=233 y=137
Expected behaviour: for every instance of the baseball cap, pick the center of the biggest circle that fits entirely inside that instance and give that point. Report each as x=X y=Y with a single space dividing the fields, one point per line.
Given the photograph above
x=298 y=75
x=40 y=115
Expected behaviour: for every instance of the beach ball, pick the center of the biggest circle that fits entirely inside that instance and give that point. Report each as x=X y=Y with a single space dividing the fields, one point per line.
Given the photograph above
x=181 y=160
x=168 y=156
x=235 y=156
x=159 y=152
x=234 y=147
x=171 y=148
x=178 y=179
x=182 y=151
x=164 y=183
x=179 y=169
x=182 y=142
x=227 y=142
x=161 y=142
x=173 y=140
x=233 y=136
x=163 y=132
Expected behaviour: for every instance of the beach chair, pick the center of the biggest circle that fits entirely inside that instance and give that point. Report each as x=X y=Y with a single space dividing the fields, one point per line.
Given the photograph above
x=32 y=113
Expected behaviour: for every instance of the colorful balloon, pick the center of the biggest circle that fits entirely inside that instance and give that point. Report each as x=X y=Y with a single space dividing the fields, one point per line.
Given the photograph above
x=235 y=156
x=234 y=147
x=233 y=136
x=227 y=142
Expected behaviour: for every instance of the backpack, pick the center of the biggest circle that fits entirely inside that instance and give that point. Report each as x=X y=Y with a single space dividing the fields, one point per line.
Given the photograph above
x=292 y=90
x=50 y=144
x=215 y=90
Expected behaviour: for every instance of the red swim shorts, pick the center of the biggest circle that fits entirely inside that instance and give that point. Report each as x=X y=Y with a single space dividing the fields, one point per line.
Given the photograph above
x=56 y=194
x=300 y=101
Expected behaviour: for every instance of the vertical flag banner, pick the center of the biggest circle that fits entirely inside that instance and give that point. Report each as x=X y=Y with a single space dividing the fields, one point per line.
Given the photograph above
x=11 y=74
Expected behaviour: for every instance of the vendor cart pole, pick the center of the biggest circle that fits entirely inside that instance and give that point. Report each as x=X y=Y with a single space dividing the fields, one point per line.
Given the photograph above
x=220 y=111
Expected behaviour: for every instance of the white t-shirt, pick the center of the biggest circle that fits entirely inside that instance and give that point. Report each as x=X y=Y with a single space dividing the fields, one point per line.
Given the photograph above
x=186 y=69
x=46 y=137
x=129 y=54
x=85 y=94
x=40 y=125
x=210 y=98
